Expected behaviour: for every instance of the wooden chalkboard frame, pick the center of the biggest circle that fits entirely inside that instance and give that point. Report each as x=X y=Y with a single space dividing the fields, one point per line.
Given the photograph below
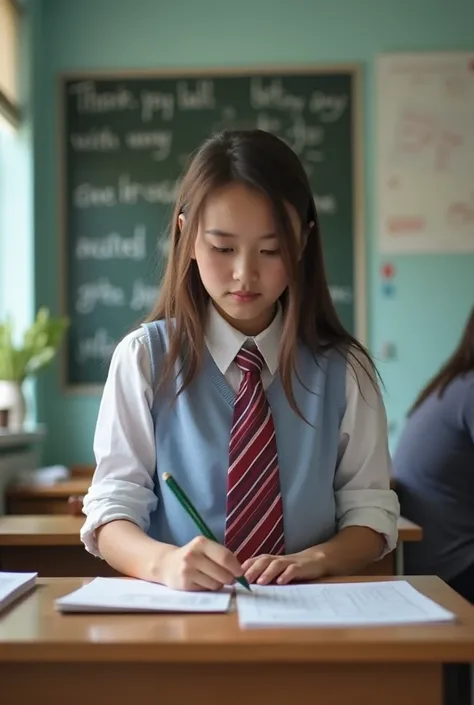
x=353 y=70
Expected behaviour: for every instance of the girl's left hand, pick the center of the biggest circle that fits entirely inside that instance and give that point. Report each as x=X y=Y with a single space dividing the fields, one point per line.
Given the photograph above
x=307 y=565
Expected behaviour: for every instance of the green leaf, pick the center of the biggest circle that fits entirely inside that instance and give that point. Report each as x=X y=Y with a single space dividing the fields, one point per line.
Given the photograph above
x=40 y=344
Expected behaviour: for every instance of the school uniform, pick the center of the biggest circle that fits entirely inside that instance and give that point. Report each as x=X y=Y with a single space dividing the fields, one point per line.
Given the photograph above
x=333 y=466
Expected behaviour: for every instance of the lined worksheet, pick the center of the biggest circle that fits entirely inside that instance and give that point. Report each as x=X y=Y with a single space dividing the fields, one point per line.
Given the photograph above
x=337 y=605
x=131 y=595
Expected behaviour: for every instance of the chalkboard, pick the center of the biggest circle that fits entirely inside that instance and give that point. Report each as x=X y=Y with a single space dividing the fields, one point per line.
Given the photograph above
x=124 y=141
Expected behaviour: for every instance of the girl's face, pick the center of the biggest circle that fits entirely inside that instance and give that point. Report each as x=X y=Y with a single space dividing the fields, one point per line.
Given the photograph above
x=238 y=257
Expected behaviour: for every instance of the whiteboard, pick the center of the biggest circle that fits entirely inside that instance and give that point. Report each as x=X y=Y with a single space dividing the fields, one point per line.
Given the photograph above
x=425 y=152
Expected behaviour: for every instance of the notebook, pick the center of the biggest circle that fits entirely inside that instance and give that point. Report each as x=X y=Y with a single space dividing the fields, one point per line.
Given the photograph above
x=131 y=595
x=14 y=585
x=338 y=605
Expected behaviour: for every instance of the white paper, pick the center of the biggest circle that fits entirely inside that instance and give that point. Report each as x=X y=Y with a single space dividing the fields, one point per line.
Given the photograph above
x=425 y=143
x=14 y=585
x=337 y=605
x=130 y=595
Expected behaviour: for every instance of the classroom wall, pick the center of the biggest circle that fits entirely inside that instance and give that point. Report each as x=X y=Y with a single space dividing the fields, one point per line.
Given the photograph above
x=433 y=293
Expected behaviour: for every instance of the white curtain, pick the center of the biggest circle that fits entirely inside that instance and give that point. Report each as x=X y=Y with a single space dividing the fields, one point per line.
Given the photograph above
x=9 y=55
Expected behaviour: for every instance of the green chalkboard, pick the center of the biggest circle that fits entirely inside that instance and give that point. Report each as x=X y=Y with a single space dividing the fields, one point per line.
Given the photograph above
x=124 y=142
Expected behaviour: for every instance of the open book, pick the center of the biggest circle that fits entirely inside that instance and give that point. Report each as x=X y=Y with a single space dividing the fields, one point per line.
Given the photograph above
x=131 y=595
x=14 y=585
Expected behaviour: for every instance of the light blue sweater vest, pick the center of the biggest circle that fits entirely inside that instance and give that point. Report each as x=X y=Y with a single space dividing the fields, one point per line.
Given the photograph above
x=192 y=441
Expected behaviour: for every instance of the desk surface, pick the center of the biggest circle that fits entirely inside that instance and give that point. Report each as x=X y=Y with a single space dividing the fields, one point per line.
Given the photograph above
x=74 y=486
x=40 y=530
x=31 y=629
x=63 y=530
x=408 y=530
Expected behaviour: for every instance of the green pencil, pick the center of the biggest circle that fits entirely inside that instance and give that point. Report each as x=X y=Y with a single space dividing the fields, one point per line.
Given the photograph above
x=186 y=503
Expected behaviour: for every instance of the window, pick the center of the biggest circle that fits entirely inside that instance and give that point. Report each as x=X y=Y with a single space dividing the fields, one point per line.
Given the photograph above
x=16 y=283
x=9 y=51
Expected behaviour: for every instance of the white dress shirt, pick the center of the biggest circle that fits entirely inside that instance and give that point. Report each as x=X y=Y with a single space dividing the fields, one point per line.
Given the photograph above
x=364 y=460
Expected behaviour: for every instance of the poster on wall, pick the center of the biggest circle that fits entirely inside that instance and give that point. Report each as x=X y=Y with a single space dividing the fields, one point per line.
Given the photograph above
x=425 y=153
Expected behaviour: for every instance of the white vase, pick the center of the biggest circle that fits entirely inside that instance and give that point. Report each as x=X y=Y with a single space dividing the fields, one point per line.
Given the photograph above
x=13 y=399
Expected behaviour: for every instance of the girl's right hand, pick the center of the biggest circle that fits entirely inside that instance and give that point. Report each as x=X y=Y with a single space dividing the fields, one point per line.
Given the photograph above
x=201 y=564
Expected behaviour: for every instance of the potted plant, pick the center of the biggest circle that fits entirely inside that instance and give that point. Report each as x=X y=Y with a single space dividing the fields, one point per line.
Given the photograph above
x=38 y=348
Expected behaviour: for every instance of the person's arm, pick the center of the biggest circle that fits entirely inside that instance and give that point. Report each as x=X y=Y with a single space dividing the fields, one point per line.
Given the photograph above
x=350 y=550
x=122 y=489
x=362 y=479
x=366 y=508
x=121 y=498
x=130 y=551
x=201 y=564
x=468 y=409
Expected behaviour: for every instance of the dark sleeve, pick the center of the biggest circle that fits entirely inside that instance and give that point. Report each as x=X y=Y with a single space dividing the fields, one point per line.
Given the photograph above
x=468 y=410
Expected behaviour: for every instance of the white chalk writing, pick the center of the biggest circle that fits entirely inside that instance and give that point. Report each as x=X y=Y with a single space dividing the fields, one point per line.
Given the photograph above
x=328 y=106
x=131 y=192
x=272 y=94
x=164 y=246
x=127 y=192
x=90 y=100
x=101 y=291
x=268 y=123
x=113 y=246
x=99 y=347
x=301 y=135
x=156 y=102
x=88 y=196
x=199 y=98
x=143 y=295
x=341 y=294
x=96 y=140
x=326 y=203
x=157 y=140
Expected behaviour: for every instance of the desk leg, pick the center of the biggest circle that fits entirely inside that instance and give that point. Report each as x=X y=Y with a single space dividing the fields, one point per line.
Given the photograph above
x=399 y=564
x=472 y=684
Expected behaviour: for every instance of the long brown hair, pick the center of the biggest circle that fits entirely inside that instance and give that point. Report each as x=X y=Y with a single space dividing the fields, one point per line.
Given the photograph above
x=263 y=162
x=460 y=363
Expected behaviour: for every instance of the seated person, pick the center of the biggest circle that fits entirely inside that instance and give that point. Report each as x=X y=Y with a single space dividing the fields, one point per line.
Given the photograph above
x=434 y=469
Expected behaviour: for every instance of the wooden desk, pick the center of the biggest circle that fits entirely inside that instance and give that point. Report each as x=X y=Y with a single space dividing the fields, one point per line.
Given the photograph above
x=408 y=532
x=56 y=498
x=61 y=497
x=51 y=546
x=207 y=659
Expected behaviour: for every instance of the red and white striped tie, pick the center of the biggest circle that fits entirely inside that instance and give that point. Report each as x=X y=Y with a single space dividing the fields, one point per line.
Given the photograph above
x=254 y=521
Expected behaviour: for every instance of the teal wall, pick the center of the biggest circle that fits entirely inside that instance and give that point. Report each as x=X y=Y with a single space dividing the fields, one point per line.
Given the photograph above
x=433 y=293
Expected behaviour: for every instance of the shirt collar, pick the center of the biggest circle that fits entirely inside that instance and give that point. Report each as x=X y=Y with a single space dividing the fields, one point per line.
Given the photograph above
x=224 y=341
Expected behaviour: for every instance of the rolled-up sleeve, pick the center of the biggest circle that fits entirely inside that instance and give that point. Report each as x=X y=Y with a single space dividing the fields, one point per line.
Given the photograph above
x=124 y=444
x=362 y=478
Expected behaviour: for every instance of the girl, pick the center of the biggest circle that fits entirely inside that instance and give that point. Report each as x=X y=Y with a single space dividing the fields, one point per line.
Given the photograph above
x=433 y=466
x=245 y=386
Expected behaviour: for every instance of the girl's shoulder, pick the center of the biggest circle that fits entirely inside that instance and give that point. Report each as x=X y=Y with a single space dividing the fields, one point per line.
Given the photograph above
x=361 y=374
x=353 y=358
x=151 y=334
x=131 y=351
x=131 y=343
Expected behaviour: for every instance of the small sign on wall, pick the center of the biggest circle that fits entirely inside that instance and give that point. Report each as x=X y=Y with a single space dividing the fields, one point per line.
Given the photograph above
x=387 y=272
